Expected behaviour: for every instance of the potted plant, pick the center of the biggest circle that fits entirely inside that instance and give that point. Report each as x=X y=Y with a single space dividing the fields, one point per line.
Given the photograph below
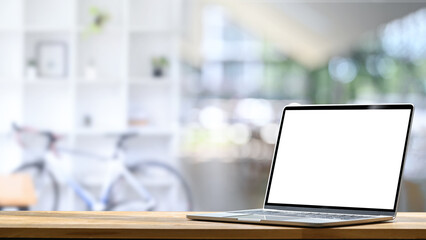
x=32 y=69
x=99 y=20
x=159 y=65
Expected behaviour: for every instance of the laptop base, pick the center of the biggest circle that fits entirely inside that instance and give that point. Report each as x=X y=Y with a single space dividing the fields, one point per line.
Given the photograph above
x=244 y=217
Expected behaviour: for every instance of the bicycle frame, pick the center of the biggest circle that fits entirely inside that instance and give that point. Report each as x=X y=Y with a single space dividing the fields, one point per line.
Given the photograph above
x=115 y=169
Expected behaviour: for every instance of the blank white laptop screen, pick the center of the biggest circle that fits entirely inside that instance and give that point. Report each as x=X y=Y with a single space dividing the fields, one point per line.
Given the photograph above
x=339 y=158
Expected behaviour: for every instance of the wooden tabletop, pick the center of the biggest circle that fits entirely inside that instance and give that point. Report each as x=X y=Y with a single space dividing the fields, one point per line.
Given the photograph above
x=174 y=225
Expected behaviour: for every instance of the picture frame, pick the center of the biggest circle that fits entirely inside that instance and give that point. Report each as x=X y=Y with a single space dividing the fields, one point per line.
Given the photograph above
x=52 y=59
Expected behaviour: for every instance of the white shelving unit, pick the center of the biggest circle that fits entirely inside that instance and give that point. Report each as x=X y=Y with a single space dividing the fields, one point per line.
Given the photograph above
x=123 y=96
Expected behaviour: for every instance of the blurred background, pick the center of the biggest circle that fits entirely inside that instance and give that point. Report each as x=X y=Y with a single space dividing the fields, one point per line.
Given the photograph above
x=175 y=104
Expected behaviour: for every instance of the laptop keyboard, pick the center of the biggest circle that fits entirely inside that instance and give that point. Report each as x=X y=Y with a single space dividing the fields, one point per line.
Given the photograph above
x=307 y=214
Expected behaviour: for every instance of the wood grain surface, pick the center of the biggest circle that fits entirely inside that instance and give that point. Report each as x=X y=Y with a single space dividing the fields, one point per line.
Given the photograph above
x=174 y=225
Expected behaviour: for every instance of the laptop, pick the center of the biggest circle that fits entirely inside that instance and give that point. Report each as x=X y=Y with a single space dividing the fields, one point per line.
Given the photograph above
x=333 y=165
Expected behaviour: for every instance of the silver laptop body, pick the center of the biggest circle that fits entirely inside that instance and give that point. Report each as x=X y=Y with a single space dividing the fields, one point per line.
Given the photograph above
x=333 y=165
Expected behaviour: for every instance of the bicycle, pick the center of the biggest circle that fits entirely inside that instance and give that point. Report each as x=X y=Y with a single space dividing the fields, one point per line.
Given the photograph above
x=122 y=187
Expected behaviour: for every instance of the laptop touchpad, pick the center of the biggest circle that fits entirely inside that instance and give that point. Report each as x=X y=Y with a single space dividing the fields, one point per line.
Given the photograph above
x=297 y=219
x=256 y=218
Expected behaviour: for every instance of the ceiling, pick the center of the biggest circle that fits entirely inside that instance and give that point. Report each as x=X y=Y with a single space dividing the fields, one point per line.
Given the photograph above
x=336 y=26
x=311 y=31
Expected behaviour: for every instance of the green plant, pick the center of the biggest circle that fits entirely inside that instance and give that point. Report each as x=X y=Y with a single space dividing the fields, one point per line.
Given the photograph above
x=99 y=20
x=32 y=63
x=159 y=62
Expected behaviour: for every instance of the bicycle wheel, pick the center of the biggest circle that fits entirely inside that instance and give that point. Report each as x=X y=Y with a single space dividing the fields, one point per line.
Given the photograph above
x=164 y=183
x=45 y=184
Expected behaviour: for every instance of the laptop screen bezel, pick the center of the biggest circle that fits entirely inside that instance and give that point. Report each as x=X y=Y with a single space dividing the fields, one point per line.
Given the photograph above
x=337 y=209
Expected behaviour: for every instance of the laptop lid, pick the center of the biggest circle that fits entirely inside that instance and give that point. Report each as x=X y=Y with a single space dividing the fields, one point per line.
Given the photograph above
x=339 y=158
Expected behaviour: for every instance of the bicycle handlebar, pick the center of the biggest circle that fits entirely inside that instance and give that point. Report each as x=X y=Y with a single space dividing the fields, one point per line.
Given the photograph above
x=52 y=138
x=122 y=138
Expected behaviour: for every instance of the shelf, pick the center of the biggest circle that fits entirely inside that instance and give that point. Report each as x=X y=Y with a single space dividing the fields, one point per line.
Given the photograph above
x=48 y=106
x=81 y=131
x=48 y=82
x=108 y=30
x=112 y=8
x=47 y=30
x=99 y=108
x=142 y=30
x=144 y=48
x=100 y=82
x=141 y=131
x=48 y=13
x=150 y=14
x=150 y=82
x=118 y=58
x=151 y=131
x=105 y=52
